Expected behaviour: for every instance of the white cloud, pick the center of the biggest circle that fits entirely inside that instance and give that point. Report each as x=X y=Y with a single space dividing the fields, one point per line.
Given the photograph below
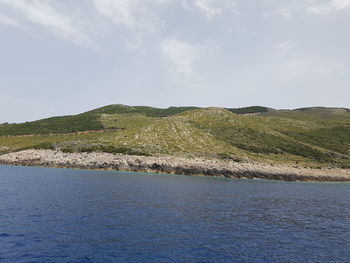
x=290 y=10
x=132 y=44
x=211 y=8
x=294 y=69
x=43 y=13
x=329 y=6
x=283 y=47
x=9 y=21
x=232 y=6
x=320 y=7
x=207 y=8
x=305 y=68
x=331 y=68
x=131 y=13
x=181 y=54
x=285 y=12
x=121 y=12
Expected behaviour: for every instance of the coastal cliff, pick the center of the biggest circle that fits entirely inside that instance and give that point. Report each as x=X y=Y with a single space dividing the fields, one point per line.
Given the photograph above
x=173 y=165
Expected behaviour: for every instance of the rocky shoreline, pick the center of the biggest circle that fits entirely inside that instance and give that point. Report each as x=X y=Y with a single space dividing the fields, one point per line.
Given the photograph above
x=172 y=165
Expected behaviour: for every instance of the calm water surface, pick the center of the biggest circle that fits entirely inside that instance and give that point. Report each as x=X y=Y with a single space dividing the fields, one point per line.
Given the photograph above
x=58 y=215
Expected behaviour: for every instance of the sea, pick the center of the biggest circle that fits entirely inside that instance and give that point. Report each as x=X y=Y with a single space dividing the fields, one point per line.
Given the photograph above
x=62 y=215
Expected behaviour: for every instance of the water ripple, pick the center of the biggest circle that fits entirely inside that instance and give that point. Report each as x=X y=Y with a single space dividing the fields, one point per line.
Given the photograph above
x=57 y=215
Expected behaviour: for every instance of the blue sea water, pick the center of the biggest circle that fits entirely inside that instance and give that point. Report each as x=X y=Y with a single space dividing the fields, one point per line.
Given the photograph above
x=60 y=215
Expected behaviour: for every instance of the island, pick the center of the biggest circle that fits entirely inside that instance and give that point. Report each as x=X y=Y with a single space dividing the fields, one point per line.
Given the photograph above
x=306 y=144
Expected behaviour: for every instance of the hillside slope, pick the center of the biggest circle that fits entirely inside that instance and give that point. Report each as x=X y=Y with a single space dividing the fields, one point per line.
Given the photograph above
x=309 y=136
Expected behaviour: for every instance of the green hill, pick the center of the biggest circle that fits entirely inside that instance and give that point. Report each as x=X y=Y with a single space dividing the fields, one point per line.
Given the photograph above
x=307 y=136
x=89 y=121
x=86 y=121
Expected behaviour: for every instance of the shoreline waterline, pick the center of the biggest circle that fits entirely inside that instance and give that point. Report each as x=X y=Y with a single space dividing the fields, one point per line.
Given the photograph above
x=110 y=172
x=172 y=165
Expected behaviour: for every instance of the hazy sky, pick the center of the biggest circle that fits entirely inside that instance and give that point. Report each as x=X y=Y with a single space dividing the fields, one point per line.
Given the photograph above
x=64 y=57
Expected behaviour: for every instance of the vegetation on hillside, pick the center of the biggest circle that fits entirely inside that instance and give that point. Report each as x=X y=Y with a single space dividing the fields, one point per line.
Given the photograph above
x=310 y=136
x=246 y=110
x=66 y=124
x=89 y=121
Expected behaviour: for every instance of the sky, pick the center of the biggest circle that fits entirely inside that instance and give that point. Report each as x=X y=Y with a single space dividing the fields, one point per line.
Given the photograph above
x=60 y=57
